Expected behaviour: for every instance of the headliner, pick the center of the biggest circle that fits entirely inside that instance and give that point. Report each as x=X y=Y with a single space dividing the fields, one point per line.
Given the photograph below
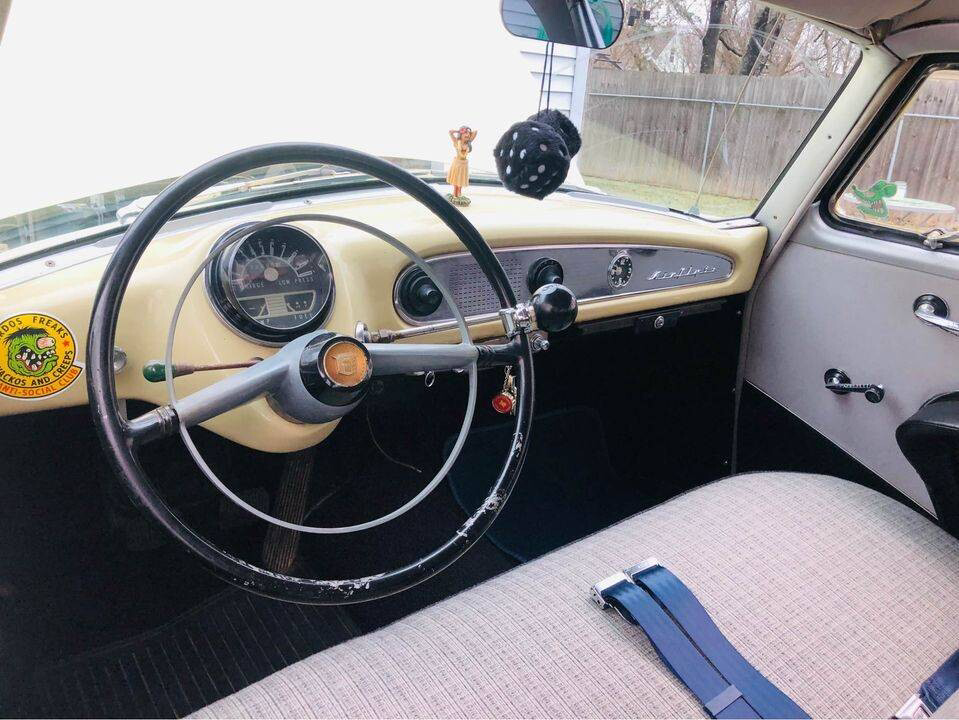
x=858 y=16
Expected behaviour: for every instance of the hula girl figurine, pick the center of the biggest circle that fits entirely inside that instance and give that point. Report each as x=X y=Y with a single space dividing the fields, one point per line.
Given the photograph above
x=459 y=174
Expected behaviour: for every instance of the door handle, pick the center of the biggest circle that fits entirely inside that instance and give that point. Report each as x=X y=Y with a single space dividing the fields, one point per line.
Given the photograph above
x=932 y=310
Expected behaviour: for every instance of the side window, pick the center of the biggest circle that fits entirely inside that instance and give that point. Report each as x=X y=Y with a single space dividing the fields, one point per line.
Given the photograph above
x=910 y=180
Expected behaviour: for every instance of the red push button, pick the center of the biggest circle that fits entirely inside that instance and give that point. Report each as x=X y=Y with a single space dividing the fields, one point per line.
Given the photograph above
x=503 y=403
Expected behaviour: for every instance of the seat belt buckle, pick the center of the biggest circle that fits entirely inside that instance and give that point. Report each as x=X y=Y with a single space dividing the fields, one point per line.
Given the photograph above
x=915 y=708
x=629 y=574
x=634 y=570
x=596 y=593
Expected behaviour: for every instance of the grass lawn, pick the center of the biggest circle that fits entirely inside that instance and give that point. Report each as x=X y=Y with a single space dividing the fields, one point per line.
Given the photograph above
x=718 y=206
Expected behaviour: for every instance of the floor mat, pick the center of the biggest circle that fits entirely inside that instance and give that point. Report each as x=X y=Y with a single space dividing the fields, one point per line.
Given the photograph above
x=567 y=489
x=216 y=649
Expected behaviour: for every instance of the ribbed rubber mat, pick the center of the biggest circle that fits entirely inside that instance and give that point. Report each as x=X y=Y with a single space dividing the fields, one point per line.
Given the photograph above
x=225 y=644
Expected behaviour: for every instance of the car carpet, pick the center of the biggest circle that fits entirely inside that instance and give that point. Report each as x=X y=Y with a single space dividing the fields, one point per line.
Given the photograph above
x=567 y=489
x=234 y=639
x=225 y=644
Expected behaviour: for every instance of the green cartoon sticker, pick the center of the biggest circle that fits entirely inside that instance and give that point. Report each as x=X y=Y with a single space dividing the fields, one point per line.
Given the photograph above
x=31 y=352
x=872 y=202
x=38 y=356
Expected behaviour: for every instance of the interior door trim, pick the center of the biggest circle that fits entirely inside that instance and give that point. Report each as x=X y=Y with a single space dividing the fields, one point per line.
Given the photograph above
x=817 y=233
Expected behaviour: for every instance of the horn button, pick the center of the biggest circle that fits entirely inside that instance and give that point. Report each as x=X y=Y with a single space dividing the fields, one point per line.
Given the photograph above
x=336 y=369
x=345 y=363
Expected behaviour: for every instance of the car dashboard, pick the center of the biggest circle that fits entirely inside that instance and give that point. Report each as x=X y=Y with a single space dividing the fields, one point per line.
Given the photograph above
x=292 y=277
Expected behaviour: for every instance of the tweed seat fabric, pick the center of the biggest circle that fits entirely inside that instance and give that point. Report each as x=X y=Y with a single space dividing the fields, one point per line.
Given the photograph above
x=844 y=598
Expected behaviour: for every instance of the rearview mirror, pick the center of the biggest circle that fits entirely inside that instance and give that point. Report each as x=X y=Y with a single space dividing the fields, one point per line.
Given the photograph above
x=586 y=23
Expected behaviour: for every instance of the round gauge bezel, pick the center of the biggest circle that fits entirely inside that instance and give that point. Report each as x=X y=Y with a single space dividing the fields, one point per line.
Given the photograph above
x=623 y=254
x=227 y=307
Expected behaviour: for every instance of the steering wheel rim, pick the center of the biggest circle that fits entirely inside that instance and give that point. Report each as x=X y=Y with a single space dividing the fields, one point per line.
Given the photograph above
x=114 y=430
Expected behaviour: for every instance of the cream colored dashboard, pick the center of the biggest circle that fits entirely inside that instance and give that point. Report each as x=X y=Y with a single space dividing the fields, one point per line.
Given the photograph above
x=365 y=271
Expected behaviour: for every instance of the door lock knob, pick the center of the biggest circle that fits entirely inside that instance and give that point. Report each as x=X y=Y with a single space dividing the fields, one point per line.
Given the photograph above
x=839 y=382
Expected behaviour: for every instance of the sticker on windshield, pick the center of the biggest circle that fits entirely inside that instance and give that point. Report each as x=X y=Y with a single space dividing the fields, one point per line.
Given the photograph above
x=37 y=357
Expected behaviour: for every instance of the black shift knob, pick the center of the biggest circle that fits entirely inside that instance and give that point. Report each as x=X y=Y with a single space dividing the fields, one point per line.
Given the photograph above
x=555 y=307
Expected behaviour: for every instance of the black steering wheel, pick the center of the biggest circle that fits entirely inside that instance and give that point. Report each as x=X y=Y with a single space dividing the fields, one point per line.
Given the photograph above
x=298 y=377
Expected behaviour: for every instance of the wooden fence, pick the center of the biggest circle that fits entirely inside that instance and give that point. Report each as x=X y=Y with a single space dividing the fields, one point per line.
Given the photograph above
x=922 y=147
x=661 y=128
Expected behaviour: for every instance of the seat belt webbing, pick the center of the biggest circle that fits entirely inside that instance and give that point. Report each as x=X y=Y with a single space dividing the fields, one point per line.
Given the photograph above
x=934 y=692
x=680 y=602
x=721 y=698
x=943 y=683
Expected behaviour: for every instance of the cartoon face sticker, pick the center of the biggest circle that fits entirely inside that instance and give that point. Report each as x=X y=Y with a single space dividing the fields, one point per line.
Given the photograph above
x=872 y=202
x=31 y=352
x=38 y=357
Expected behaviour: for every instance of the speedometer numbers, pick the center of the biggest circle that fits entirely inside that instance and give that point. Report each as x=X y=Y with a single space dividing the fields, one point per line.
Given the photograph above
x=273 y=282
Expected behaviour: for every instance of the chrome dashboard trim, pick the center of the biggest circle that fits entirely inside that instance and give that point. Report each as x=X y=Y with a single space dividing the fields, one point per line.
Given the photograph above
x=439 y=322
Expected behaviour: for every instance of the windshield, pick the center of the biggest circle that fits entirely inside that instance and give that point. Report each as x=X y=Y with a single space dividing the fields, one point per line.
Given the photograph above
x=115 y=98
x=700 y=104
x=123 y=205
x=681 y=112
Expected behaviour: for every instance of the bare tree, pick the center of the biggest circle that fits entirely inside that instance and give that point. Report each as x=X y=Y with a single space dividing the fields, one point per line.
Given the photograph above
x=769 y=46
x=726 y=37
x=711 y=37
x=763 y=26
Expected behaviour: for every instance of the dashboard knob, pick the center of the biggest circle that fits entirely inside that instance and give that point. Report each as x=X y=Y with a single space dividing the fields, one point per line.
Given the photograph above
x=418 y=295
x=555 y=307
x=543 y=272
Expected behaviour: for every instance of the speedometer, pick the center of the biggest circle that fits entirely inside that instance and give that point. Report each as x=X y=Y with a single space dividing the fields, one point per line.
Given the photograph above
x=273 y=284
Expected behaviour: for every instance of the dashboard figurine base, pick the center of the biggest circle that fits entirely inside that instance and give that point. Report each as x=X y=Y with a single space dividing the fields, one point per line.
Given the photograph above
x=458 y=200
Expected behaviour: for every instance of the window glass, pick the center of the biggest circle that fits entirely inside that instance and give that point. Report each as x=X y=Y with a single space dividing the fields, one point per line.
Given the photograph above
x=124 y=205
x=700 y=104
x=909 y=181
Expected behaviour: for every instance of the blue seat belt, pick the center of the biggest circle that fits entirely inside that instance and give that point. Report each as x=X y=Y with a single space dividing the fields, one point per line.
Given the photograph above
x=720 y=698
x=933 y=692
x=943 y=683
x=689 y=614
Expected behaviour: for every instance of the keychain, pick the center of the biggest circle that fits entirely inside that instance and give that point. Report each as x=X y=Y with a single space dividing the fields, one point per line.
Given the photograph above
x=505 y=401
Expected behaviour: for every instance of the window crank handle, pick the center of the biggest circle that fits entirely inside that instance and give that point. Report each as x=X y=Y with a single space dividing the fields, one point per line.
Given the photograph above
x=839 y=382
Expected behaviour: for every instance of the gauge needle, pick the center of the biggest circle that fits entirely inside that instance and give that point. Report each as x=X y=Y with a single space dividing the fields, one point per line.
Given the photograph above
x=156 y=371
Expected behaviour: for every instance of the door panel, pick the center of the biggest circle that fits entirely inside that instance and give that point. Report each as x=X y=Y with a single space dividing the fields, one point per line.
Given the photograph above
x=835 y=299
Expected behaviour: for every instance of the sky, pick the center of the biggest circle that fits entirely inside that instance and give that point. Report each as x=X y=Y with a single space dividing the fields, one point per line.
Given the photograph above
x=111 y=93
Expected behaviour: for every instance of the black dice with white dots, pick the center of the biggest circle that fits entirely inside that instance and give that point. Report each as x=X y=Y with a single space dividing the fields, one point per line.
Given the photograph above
x=533 y=156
